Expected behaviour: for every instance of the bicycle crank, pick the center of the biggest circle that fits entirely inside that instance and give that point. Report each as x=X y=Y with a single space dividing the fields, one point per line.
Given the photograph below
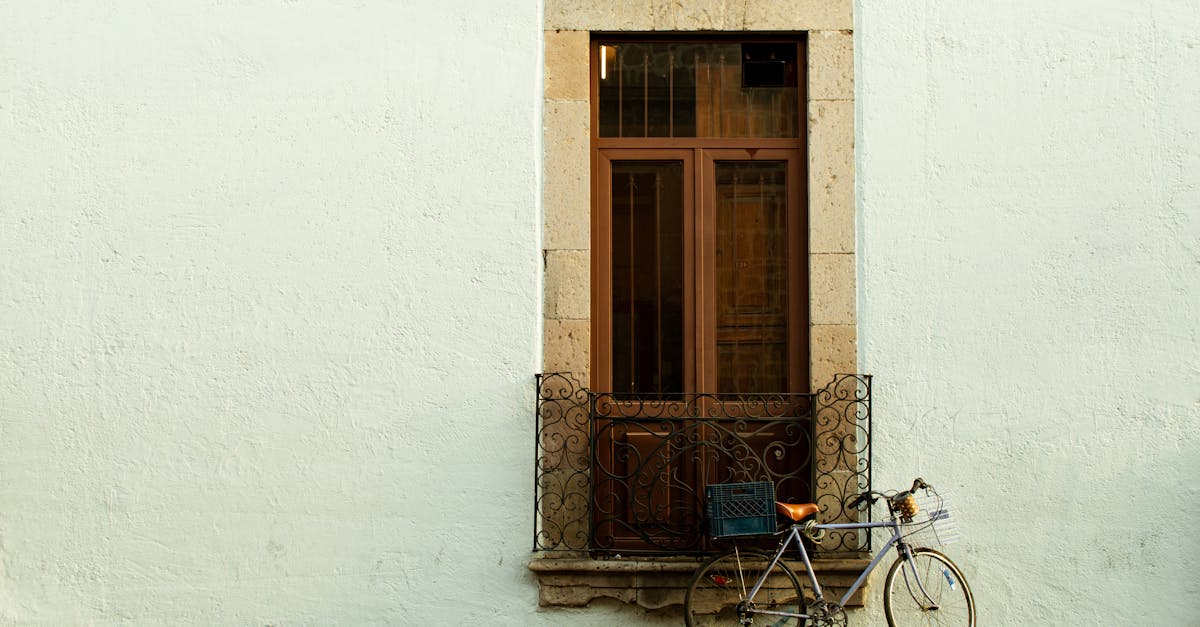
x=825 y=614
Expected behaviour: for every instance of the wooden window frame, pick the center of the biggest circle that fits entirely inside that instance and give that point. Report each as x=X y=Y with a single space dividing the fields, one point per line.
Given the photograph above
x=700 y=155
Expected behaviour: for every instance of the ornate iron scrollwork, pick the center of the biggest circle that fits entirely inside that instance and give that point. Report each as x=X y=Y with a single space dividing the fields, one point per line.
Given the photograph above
x=842 y=456
x=562 y=506
x=625 y=473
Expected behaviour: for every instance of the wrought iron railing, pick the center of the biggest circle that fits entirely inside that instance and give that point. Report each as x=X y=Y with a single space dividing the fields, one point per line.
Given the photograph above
x=624 y=473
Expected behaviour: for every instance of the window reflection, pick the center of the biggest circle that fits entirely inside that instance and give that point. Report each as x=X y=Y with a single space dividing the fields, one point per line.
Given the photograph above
x=698 y=90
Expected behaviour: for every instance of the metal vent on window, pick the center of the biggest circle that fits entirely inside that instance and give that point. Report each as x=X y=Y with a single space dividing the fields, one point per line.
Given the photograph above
x=768 y=65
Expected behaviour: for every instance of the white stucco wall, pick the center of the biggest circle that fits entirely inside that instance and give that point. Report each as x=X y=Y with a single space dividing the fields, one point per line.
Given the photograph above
x=1029 y=197
x=268 y=307
x=269 y=301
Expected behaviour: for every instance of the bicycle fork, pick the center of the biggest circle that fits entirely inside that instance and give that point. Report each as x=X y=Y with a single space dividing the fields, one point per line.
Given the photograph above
x=906 y=553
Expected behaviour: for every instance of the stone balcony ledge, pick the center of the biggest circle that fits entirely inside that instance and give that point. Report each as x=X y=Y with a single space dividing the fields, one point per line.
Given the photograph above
x=657 y=582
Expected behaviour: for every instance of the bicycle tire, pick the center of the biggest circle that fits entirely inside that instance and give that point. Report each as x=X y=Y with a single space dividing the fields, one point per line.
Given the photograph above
x=718 y=589
x=904 y=604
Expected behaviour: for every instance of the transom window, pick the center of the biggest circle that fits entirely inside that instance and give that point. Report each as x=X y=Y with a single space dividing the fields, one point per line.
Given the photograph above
x=698 y=89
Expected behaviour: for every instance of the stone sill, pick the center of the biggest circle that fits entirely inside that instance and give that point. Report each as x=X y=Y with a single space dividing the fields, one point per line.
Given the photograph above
x=655 y=583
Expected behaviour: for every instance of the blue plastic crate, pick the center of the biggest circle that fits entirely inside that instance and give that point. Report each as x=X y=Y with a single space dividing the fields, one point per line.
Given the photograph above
x=741 y=509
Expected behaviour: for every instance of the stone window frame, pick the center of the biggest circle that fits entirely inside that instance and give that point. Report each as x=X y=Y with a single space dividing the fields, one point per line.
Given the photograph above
x=567 y=206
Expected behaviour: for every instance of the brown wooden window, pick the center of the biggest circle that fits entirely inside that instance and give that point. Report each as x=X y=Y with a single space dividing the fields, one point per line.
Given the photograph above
x=699 y=263
x=699 y=222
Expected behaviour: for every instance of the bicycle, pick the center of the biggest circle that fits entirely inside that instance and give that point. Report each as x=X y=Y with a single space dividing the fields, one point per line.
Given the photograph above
x=922 y=586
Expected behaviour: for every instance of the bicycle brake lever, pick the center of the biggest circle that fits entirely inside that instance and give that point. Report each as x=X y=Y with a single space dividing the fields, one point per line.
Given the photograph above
x=858 y=501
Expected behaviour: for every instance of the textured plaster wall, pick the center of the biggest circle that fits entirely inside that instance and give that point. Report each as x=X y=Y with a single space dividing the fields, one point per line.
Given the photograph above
x=269 y=305
x=1029 y=237
x=268 y=312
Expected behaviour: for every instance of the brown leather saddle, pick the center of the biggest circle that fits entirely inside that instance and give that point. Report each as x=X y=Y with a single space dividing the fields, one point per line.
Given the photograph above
x=796 y=511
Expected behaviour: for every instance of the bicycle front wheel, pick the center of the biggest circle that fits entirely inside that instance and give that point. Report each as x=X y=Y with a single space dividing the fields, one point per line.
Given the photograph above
x=929 y=591
x=717 y=594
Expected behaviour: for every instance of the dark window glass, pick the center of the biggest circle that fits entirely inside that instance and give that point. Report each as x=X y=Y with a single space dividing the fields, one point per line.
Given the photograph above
x=647 y=276
x=698 y=89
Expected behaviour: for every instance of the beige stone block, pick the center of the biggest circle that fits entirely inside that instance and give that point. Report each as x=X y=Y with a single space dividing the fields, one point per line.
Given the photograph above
x=566 y=175
x=694 y=15
x=567 y=220
x=566 y=67
x=834 y=351
x=831 y=65
x=645 y=15
x=808 y=15
x=567 y=284
x=567 y=347
x=587 y=15
x=832 y=288
x=831 y=219
x=831 y=176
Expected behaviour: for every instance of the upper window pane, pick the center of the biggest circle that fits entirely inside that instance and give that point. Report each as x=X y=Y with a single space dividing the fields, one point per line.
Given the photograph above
x=647 y=276
x=694 y=89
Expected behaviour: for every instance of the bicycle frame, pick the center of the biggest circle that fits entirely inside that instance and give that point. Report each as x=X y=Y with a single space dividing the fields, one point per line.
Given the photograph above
x=793 y=534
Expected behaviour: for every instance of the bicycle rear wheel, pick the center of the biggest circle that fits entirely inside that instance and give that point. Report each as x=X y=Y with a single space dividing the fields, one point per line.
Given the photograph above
x=717 y=594
x=946 y=599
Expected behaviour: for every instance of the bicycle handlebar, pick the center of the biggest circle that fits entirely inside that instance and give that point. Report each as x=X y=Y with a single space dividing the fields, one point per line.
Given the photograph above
x=858 y=501
x=870 y=496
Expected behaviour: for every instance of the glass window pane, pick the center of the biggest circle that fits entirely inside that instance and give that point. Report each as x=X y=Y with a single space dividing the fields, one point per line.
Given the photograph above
x=751 y=267
x=698 y=89
x=647 y=276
